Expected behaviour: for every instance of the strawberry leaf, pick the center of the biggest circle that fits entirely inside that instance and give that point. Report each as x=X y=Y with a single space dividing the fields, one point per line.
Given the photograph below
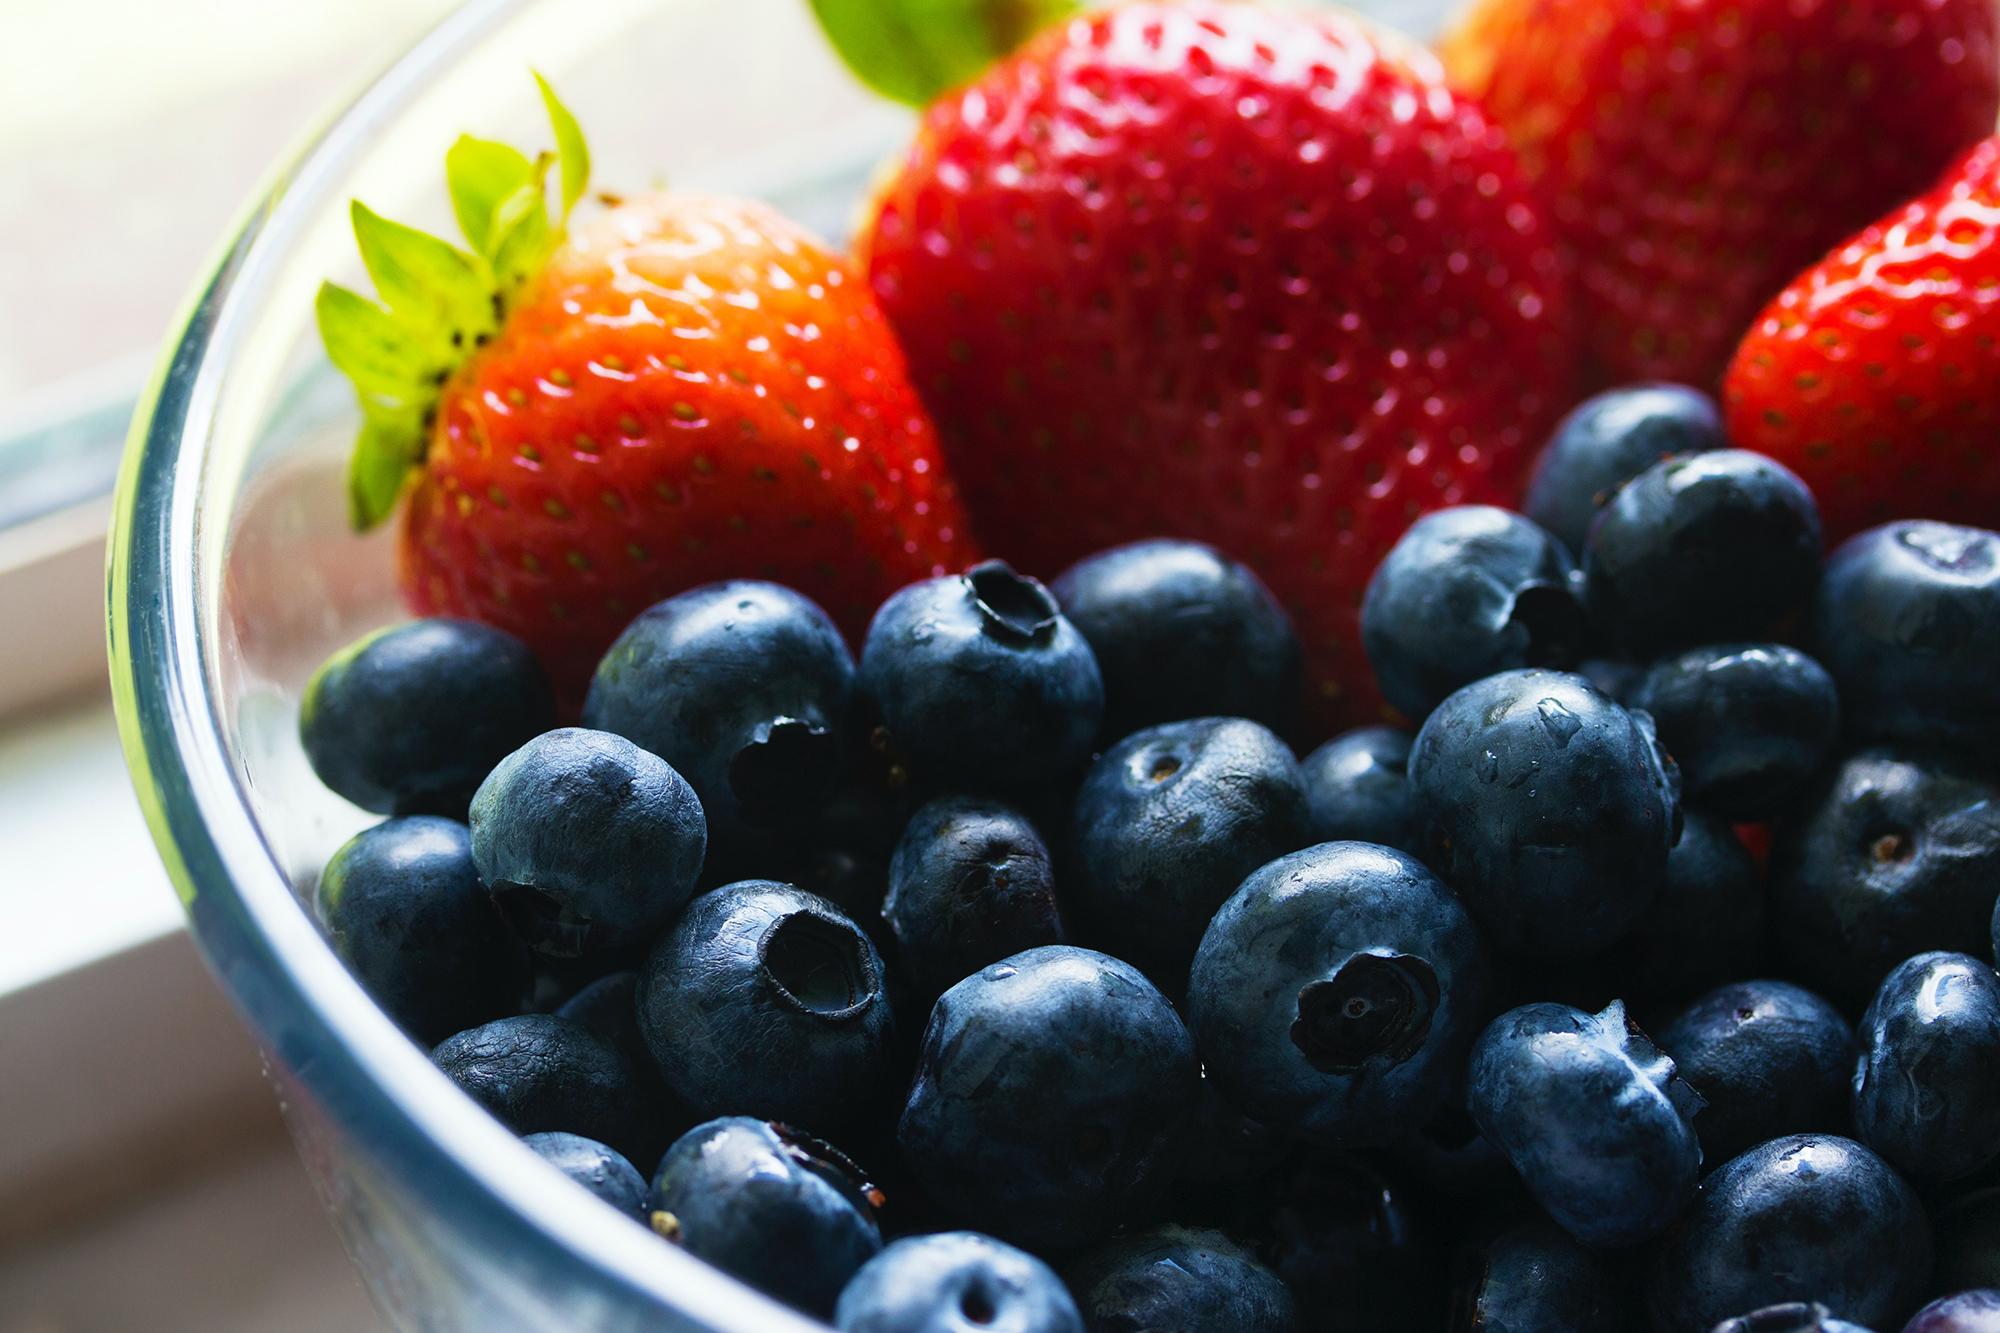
x=481 y=174
x=912 y=50
x=437 y=303
x=433 y=285
x=388 y=449
x=521 y=232
x=391 y=366
x=572 y=153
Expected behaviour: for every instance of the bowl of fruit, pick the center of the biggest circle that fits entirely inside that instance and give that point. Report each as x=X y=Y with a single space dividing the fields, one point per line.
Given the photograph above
x=1180 y=666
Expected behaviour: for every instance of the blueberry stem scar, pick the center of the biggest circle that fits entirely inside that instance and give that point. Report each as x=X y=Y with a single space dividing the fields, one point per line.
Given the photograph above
x=818 y=966
x=1371 y=1006
x=1012 y=607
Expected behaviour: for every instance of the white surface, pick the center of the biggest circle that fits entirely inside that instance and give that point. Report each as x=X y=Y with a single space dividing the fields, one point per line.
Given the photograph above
x=241 y=1248
x=80 y=878
x=145 y=1180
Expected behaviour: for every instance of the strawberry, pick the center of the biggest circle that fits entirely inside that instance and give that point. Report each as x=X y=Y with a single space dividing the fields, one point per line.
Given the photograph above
x=1698 y=153
x=677 y=391
x=1872 y=375
x=1212 y=271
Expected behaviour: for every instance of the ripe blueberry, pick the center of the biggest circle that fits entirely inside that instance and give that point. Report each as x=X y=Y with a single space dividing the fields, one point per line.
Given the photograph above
x=1608 y=440
x=404 y=908
x=410 y=719
x=956 y=1282
x=969 y=884
x=782 y=1211
x=1807 y=1217
x=1593 y=1116
x=1927 y=1086
x=1165 y=827
x=1052 y=1097
x=1466 y=592
x=1549 y=808
x=1181 y=630
x=744 y=688
x=1336 y=992
x=1908 y=621
x=1701 y=549
x=765 y=999
x=982 y=681
x=587 y=842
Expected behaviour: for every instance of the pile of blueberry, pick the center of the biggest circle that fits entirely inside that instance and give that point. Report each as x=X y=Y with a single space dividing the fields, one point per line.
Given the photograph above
x=1033 y=910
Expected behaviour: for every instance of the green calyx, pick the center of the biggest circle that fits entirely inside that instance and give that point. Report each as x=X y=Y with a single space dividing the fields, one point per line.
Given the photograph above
x=436 y=303
x=913 y=50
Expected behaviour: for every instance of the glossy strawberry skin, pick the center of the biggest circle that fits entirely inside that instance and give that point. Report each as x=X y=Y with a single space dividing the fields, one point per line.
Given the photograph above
x=1213 y=271
x=1698 y=154
x=1872 y=376
x=692 y=389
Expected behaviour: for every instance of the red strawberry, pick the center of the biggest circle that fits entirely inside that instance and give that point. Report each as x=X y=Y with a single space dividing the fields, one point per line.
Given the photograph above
x=1213 y=271
x=1698 y=153
x=1873 y=375
x=1756 y=840
x=685 y=389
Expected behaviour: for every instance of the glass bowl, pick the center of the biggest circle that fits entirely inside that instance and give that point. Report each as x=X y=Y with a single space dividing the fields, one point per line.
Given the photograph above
x=233 y=573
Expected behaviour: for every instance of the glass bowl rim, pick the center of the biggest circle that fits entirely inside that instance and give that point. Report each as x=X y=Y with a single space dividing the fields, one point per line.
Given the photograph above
x=306 y=1010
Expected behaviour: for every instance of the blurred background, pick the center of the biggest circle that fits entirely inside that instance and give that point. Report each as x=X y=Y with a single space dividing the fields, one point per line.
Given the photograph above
x=145 y=1179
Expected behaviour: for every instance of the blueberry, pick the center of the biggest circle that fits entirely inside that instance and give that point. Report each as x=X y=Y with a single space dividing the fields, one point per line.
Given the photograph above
x=406 y=912
x=743 y=687
x=1344 y=1240
x=1908 y=621
x=1894 y=855
x=1749 y=724
x=1807 y=1217
x=600 y=1169
x=1701 y=549
x=1533 y=1277
x=1183 y=1279
x=537 y=1072
x=609 y=1007
x=956 y=1282
x=1767 y=1057
x=1593 y=1116
x=1167 y=824
x=587 y=842
x=1976 y=1311
x=969 y=884
x=982 y=680
x=1927 y=1086
x=1230 y=1154
x=1548 y=807
x=1466 y=592
x=782 y=1211
x=1336 y=992
x=1181 y=630
x=411 y=718
x=1610 y=439
x=1705 y=928
x=1052 y=1097
x=763 y=998
x=1358 y=789
x=1791 y=1317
